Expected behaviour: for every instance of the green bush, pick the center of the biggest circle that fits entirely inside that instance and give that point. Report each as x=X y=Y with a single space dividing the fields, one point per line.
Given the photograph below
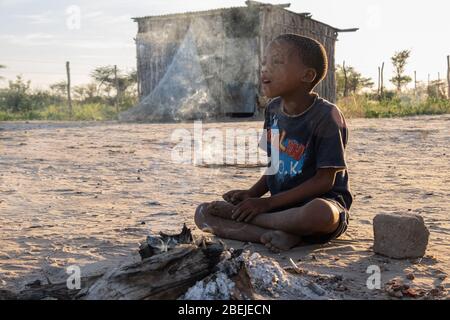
x=365 y=107
x=20 y=99
x=80 y=112
x=19 y=102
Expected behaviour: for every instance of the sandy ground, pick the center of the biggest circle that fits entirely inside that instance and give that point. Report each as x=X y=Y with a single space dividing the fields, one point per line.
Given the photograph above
x=78 y=193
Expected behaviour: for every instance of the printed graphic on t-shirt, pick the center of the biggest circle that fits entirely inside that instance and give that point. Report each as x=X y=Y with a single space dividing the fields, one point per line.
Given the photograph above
x=292 y=153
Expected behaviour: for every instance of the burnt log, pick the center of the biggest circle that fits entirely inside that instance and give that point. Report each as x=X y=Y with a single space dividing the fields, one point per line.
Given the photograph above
x=163 y=276
x=40 y=291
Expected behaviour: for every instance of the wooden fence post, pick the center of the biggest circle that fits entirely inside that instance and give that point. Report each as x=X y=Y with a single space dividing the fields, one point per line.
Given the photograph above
x=379 y=81
x=345 y=80
x=415 y=84
x=116 y=83
x=448 y=77
x=69 y=98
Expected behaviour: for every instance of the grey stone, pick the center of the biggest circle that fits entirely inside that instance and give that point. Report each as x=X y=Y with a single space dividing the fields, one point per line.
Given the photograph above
x=400 y=235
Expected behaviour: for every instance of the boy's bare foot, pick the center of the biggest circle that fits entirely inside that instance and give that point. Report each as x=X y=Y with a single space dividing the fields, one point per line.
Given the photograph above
x=221 y=209
x=278 y=241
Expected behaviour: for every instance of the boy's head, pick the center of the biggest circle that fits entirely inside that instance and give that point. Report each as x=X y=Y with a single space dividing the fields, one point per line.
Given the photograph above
x=292 y=62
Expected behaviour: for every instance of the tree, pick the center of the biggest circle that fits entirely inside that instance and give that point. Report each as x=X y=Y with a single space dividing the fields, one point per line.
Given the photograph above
x=399 y=61
x=59 y=88
x=90 y=92
x=17 y=98
x=80 y=92
x=355 y=81
x=104 y=77
x=87 y=93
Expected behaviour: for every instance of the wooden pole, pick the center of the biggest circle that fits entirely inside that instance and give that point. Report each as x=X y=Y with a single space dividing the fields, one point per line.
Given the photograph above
x=382 y=79
x=116 y=82
x=69 y=98
x=379 y=80
x=415 y=84
x=345 y=80
x=448 y=77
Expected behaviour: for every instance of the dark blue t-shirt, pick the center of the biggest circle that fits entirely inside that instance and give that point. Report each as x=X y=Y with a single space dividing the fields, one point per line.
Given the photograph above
x=315 y=139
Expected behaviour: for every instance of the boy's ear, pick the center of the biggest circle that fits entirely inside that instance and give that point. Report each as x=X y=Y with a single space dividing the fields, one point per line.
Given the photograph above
x=309 y=75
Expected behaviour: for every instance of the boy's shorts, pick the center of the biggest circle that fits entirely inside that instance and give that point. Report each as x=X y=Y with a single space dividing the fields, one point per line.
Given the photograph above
x=342 y=227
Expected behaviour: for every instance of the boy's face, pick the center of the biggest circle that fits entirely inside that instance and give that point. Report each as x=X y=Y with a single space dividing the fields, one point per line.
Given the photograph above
x=283 y=72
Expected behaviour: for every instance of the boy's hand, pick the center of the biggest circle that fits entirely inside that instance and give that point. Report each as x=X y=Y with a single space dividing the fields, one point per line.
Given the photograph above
x=248 y=209
x=236 y=196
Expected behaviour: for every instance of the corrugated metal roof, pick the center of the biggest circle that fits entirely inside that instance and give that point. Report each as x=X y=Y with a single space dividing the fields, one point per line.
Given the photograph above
x=218 y=10
x=169 y=15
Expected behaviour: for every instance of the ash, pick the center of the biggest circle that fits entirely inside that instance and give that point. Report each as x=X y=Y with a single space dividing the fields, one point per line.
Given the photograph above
x=267 y=280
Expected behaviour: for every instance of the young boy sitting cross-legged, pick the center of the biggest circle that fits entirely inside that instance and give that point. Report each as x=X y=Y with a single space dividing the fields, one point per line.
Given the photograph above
x=310 y=193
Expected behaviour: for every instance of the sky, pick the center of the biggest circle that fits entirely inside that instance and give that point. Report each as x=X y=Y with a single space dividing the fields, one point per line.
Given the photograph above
x=38 y=37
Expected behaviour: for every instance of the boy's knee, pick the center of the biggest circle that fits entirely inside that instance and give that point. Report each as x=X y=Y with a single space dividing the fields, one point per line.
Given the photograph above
x=321 y=215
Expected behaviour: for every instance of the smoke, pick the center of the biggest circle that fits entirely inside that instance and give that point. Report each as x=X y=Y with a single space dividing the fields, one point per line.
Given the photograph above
x=213 y=71
x=182 y=92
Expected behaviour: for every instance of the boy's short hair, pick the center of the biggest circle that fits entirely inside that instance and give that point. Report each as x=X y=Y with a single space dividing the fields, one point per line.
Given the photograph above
x=312 y=53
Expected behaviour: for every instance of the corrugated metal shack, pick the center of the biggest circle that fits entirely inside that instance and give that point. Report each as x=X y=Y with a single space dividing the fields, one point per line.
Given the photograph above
x=197 y=64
